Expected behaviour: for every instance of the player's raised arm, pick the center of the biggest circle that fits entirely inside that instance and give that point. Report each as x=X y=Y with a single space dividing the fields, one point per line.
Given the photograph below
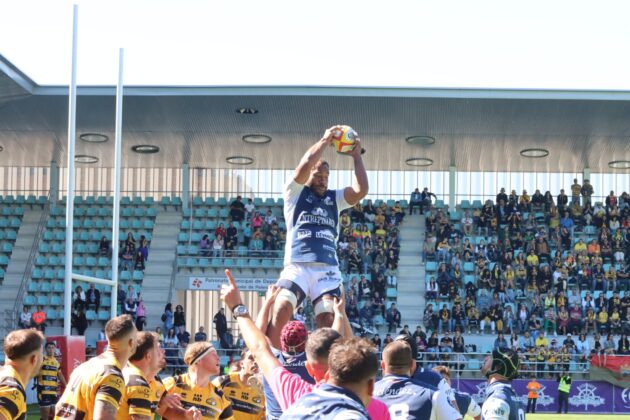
x=312 y=155
x=254 y=338
x=360 y=186
x=262 y=320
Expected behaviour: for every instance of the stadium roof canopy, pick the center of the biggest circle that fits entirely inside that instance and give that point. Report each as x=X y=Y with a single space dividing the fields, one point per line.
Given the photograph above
x=474 y=129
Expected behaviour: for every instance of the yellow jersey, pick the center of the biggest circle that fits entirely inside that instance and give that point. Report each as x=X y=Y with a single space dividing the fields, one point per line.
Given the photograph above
x=12 y=394
x=98 y=379
x=248 y=403
x=48 y=377
x=141 y=396
x=210 y=401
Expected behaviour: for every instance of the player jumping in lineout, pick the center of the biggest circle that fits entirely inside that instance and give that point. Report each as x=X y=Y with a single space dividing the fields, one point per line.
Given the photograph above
x=311 y=212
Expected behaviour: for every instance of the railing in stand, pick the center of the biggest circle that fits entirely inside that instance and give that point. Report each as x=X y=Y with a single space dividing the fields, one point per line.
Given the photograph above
x=26 y=276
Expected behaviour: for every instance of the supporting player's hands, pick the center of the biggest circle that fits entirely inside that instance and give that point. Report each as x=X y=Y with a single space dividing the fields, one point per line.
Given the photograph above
x=339 y=306
x=230 y=293
x=272 y=293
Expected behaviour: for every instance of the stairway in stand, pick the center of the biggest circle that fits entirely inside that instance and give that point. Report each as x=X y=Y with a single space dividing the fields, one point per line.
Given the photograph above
x=411 y=285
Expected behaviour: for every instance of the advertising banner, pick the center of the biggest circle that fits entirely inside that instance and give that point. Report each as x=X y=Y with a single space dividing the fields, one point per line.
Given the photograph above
x=585 y=396
x=245 y=284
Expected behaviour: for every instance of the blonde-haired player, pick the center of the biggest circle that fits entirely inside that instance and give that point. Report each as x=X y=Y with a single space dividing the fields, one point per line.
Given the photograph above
x=23 y=357
x=95 y=387
x=194 y=387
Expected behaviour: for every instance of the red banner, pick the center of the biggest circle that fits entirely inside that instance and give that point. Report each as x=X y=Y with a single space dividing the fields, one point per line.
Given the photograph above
x=72 y=352
x=614 y=369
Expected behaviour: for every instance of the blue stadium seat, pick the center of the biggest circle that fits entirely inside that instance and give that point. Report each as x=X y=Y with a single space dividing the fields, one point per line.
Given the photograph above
x=46 y=287
x=55 y=300
x=33 y=287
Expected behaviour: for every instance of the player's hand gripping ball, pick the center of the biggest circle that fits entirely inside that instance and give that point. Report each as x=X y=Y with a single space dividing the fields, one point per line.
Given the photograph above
x=343 y=139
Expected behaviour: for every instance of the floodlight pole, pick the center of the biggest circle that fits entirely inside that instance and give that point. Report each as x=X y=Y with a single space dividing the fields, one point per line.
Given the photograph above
x=117 y=159
x=72 y=111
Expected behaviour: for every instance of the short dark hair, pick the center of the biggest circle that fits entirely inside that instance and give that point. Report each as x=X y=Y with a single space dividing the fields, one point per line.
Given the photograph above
x=21 y=343
x=397 y=356
x=119 y=327
x=319 y=343
x=352 y=361
x=144 y=342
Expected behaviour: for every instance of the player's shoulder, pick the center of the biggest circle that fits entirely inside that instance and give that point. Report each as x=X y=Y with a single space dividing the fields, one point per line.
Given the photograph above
x=222 y=381
x=135 y=380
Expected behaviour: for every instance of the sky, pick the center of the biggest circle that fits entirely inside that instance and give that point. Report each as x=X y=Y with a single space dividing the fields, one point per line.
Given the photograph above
x=533 y=44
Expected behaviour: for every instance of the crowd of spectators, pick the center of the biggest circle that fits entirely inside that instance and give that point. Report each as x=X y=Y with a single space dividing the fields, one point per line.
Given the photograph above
x=532 y=266
x=132 y=255
x=368 y=251
x=245 y=227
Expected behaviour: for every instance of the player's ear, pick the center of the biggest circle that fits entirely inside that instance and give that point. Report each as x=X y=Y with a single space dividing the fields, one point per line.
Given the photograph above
x=309 y=369
x=413 y=366
x=382 y=365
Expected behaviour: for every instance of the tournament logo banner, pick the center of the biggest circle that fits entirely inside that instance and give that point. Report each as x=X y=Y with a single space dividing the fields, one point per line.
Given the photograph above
x=585 y=396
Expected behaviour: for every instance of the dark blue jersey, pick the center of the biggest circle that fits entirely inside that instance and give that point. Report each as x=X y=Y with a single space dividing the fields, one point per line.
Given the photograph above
x=409 y=399
x=312 y=224
x=434 y=379
x=296 y=364
x=501 y=403
x=327 y=402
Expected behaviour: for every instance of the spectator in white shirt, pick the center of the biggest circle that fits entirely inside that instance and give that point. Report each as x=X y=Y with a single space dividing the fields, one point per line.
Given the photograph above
x=25 y=318
x=467 y=223
x=250 y=208
x=270 y=218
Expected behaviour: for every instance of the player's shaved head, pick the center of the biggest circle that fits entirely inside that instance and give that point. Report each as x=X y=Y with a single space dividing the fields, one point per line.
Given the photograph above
x=397 y=358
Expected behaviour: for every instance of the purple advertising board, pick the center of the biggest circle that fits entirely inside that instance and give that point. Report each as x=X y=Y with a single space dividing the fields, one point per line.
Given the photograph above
x=585 y=396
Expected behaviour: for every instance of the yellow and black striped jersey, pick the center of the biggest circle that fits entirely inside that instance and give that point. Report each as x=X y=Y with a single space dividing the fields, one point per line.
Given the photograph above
x=48 y=377
x=209 y=400
x=141 y=397
x=98 y=379
x=12 y=394
x=248 y=403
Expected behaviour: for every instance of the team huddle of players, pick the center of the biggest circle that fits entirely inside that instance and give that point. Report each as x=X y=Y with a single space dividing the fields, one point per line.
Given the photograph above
x=329 y=373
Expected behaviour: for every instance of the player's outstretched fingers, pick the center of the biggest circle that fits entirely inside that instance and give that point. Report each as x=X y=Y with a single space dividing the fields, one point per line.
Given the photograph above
x=230 y=278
